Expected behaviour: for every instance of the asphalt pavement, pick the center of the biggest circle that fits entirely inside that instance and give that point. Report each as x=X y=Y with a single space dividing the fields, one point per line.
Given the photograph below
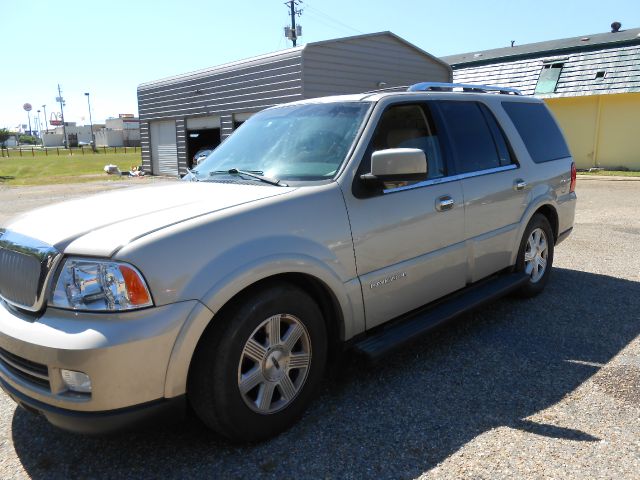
x=540 y=388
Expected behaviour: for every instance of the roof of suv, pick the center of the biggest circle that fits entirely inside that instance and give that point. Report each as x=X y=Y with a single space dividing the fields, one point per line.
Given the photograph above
x=431 y=89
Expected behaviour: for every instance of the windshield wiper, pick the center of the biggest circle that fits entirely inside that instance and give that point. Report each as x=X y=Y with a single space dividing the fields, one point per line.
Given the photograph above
x=257 y=174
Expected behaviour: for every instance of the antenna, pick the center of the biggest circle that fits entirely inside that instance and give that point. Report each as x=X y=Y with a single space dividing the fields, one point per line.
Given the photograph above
x=294 y=31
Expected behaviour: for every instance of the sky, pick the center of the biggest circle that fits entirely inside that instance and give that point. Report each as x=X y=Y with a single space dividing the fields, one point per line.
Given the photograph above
x=107 y=48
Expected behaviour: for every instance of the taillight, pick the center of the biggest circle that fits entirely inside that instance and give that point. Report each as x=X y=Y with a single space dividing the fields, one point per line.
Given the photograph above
x=572 y=187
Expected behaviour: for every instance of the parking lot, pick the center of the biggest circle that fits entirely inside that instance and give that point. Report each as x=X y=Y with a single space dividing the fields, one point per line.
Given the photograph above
x=540 y=388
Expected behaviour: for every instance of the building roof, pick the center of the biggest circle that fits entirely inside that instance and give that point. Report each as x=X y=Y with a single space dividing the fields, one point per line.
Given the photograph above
x=547 y=48
x=285 y=53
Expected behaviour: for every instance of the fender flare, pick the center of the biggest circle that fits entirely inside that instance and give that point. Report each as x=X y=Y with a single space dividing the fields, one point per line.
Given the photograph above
x=231 y=285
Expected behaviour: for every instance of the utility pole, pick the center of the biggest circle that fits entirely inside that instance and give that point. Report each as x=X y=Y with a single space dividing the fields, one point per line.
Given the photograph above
x=64 y=126
x=293 y=32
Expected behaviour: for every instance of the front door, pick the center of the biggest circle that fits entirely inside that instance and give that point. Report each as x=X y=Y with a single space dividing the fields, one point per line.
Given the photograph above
x=408 y=238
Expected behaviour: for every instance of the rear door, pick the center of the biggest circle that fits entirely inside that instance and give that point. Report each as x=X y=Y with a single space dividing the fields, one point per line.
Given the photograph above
x=495 y=190
x=409 y=248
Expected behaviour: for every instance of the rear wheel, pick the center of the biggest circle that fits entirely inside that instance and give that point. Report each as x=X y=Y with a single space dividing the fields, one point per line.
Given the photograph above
x=259 y=365
x=535 y=257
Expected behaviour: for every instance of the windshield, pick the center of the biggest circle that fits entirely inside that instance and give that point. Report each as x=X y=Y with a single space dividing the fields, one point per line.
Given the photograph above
x=298 y=142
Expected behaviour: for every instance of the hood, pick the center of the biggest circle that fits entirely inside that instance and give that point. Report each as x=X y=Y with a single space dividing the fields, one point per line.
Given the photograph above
x=101 y=224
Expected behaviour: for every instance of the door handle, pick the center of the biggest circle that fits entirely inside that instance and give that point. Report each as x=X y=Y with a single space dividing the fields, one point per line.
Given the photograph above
x=444 y=203
x=519 y=184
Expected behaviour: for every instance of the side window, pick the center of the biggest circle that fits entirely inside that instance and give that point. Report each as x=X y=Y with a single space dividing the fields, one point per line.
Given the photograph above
x=538 y=129
x=474 y=145
x=409 y=126
x=504 y=152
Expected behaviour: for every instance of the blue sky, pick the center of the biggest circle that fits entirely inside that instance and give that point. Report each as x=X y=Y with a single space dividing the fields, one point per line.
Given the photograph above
x=107 y=48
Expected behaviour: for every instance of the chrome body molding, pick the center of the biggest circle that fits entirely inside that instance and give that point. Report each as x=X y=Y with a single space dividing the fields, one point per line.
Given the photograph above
x=452 y=178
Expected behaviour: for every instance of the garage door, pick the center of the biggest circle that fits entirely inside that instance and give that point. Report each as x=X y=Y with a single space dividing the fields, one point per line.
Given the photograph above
x=164 y=151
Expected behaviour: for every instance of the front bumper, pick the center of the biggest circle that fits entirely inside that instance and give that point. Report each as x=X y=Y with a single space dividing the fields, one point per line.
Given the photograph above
x=102 y=422
x=125 y=354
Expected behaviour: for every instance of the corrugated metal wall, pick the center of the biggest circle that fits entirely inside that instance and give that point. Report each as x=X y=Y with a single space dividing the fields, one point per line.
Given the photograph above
x=350 y=65
x=242 y=86
x=357 y=65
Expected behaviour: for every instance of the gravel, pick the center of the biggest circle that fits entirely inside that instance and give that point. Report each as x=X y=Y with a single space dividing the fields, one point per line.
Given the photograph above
x=540 y=388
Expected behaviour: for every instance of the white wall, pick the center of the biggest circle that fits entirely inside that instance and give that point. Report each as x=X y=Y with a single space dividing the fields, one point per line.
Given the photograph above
x=53 y=139
x=109 y=138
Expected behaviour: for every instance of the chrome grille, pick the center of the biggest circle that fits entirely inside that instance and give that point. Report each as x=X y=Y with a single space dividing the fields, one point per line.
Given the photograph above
x=26 y=266
x=19 y=275
x=32 y=372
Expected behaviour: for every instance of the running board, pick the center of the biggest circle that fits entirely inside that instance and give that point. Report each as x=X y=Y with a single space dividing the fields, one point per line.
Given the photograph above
x=399 y=333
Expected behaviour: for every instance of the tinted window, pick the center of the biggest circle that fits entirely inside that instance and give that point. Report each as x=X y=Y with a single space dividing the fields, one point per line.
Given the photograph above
x=538 y=130
x=407 y=126
x=504 y=152
x=470 y=137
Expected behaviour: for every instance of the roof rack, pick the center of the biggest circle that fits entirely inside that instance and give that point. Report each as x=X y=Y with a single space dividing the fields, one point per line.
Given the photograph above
x=450 y=87
x=399 y=88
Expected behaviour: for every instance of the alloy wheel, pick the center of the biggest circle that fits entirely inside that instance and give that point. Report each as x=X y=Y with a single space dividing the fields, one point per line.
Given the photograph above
x=274 y=363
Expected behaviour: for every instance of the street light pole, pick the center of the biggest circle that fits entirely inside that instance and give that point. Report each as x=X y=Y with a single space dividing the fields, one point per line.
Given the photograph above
x=93 y=138
x=46 y=126
x=40 y=128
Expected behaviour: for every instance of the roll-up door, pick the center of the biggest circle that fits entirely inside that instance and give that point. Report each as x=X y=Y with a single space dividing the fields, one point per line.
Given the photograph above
x=164 y=151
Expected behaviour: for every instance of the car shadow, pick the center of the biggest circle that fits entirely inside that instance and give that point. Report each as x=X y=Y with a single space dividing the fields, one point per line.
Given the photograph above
x=396 y=418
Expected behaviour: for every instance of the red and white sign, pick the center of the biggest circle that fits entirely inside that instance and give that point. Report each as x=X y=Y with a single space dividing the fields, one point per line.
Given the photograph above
x=27 y=107
x=55 y=119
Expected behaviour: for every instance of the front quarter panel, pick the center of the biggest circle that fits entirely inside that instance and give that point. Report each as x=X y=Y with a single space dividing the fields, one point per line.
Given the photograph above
x=214 y=257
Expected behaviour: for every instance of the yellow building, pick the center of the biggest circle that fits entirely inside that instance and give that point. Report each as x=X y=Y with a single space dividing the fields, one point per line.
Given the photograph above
x=591 y=83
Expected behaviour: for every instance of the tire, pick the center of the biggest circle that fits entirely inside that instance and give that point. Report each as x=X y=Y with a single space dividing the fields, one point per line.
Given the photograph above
x=250 y=352
x=538 y=231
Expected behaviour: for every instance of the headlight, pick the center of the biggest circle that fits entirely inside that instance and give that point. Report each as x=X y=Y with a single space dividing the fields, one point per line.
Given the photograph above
x=97 y=285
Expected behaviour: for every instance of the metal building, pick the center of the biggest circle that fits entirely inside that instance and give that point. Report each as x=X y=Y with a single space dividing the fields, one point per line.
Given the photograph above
x=591 y=83
x=181 y=114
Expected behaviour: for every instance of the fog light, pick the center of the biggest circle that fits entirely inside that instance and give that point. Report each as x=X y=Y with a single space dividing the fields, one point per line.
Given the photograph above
x=76 y=381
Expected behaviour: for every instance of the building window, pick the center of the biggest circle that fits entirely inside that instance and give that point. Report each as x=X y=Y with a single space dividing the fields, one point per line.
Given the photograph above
x=600 y=75
x=548 y=78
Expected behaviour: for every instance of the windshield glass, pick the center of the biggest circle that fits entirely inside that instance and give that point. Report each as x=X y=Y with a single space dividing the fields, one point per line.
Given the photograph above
x=298 y=142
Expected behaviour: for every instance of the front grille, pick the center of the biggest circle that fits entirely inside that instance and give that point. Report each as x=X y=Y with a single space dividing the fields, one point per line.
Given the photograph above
x=26 y=265
x=19 y=277
x=32 y=372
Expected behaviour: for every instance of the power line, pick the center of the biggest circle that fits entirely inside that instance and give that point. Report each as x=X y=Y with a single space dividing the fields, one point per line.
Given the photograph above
x=332 y=26
x=319 y=12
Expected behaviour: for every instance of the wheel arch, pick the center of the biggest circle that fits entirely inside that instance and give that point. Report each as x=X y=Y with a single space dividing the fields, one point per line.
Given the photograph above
x=544 y=206
x=551 y=214
x=331 y=306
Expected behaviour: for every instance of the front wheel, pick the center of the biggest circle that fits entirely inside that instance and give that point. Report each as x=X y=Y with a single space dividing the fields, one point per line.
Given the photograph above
x=259 y=365
x=535 y=257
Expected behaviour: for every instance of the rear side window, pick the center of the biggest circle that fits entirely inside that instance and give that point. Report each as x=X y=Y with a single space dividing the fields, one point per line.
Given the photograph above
x=471 y=136
x=538 y=130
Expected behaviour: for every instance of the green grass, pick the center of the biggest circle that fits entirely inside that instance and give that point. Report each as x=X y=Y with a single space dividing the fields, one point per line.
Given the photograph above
x=44 y=170
x=612 y=173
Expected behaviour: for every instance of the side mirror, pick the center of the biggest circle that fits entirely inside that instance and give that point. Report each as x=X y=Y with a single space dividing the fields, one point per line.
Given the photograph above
x=397 y=165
